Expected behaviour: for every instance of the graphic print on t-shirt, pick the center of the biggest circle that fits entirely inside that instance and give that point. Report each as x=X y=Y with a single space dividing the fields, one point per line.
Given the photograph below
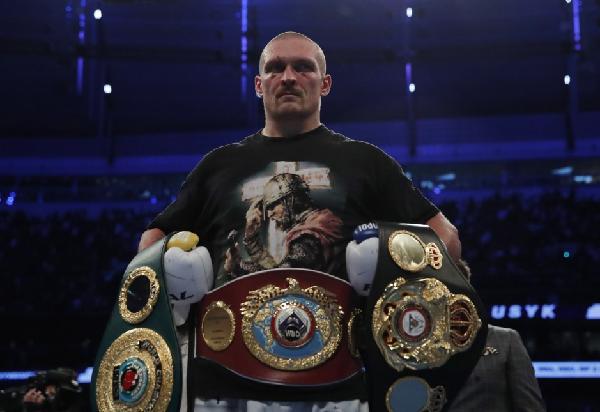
x=284 y=226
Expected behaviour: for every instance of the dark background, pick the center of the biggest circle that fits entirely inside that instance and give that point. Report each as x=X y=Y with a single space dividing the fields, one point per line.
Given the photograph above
x=492 y=134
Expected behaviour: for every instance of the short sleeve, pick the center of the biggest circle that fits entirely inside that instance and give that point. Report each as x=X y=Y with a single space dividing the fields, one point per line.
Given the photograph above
x=180 y=214
x=400 y=200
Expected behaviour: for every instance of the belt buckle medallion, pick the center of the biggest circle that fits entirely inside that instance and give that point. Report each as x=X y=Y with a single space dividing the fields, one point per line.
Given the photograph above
x=291 y=328
x=420 y=324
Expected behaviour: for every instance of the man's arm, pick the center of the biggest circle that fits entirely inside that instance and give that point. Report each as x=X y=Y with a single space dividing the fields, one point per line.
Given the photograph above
x=448 y=233
x=149 y=237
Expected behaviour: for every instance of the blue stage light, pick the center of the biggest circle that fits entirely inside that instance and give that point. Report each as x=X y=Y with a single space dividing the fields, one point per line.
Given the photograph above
x=563 y=171
x=10 y=200
x=447 y=177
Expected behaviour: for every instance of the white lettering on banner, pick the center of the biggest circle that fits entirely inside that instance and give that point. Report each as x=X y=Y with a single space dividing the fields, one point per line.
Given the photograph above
x=593 y=312
x=498 y=311
x=548 y=312
x=531 y=310
x=514 y=311
x=563 y=370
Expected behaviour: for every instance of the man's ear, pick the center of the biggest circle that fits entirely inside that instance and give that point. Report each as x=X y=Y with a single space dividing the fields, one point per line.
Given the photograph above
x=326 y=85
x=258 y=86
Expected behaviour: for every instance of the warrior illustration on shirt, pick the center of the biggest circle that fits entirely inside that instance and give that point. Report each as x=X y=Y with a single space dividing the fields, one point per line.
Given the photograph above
x=299 y=233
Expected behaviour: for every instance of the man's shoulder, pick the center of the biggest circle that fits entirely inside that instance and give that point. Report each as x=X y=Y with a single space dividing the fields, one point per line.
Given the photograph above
x=499 y=330
x=503 y=336
x=353 y=143
x=230 y=148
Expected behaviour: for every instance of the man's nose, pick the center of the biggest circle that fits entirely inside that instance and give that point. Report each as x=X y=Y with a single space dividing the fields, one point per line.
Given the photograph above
x=289 y=75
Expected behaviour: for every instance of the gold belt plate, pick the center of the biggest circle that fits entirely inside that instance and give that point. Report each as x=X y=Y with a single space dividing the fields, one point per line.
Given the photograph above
x=135 y=374
x=419 y=324
x=291 y=328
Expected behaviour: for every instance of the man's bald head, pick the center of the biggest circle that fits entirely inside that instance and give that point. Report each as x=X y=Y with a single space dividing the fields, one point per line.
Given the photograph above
x=319 y=55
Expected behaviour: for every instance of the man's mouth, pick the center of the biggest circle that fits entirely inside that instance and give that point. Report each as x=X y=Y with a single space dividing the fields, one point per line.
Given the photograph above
x=289 y=93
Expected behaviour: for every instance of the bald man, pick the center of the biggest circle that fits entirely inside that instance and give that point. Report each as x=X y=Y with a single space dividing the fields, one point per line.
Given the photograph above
x=244 y=201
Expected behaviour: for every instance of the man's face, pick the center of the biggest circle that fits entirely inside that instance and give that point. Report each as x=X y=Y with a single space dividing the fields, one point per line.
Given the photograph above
x=290 y=80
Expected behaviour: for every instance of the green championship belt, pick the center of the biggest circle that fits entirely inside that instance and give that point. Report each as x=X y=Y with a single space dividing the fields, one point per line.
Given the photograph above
x=138 y=366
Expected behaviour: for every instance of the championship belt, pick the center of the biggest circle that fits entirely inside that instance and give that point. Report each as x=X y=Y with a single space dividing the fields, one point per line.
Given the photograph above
x=138 y=366
x=425 y=323
x=279 y=334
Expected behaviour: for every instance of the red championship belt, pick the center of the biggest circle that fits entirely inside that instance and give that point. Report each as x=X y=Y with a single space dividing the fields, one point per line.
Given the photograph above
x=281 y=326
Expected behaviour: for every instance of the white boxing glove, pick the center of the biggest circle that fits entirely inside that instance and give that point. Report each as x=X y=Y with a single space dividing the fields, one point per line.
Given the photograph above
x=361 y=257
x=188 y=273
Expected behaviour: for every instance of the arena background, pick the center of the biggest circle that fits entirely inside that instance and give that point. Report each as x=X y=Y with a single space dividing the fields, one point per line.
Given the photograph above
x=493 y=107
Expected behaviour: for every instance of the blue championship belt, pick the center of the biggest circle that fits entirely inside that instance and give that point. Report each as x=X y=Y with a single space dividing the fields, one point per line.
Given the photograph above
x=425 y=324
x=138 y=366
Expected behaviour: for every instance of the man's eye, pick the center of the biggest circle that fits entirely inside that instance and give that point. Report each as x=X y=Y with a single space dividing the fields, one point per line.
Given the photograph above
x=304 y=67
x=274 y=68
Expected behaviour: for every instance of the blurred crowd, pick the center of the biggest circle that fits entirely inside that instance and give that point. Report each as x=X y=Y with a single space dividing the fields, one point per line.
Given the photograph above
x=60 y=272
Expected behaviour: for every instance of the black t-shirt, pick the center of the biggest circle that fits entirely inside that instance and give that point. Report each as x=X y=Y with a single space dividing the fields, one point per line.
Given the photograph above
x=348 y=183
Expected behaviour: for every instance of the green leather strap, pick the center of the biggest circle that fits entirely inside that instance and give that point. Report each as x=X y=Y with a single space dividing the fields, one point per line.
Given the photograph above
x=159 y=320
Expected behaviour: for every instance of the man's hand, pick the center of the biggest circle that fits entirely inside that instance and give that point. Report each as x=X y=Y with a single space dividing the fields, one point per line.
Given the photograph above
x=35 y=396
x=149 y=237
x=448 y=233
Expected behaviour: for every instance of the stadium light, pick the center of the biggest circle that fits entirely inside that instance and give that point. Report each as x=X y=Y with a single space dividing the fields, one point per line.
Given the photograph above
x=10 y=200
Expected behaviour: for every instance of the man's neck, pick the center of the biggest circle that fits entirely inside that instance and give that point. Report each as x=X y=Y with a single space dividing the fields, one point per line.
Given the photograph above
x=289 y=128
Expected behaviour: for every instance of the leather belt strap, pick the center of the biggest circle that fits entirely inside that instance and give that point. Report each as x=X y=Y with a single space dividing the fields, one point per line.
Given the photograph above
x=438 y=269
x=138 y=364
x=269 y=335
